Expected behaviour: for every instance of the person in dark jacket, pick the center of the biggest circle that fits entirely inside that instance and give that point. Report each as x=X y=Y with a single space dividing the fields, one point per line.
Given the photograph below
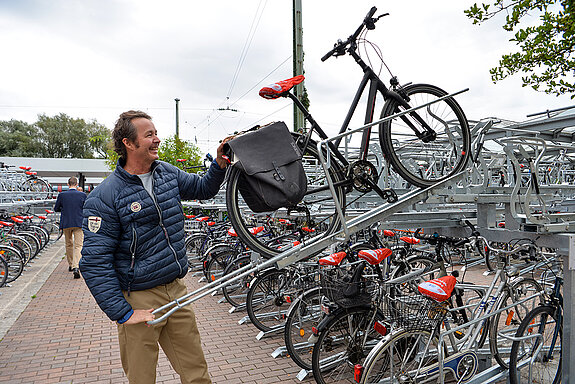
x=70 y=203
x=134 y=255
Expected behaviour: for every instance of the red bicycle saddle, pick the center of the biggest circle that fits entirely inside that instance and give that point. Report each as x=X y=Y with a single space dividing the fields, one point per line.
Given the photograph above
x=333 y=259
x=374 y=256
x=438 y=289
x=275 y=90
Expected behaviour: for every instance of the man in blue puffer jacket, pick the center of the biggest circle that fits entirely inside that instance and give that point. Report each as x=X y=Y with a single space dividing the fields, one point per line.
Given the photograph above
x=134 y=255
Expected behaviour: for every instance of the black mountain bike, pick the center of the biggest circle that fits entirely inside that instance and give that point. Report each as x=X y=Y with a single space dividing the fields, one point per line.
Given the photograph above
x=423 y=146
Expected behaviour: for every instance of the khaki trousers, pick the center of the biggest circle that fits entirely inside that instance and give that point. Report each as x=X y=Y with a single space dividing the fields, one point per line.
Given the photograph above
x=74 y=238
x=178 y=336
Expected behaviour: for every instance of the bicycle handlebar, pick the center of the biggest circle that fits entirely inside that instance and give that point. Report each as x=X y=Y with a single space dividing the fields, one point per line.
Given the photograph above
x=436 y=237
x=341 y=46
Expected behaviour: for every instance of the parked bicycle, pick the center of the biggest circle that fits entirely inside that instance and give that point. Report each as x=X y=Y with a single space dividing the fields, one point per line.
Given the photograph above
x=424 y=146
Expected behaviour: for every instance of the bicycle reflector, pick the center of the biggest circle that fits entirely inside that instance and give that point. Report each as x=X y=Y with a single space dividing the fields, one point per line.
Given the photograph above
x=380 y=328
x=357 y=372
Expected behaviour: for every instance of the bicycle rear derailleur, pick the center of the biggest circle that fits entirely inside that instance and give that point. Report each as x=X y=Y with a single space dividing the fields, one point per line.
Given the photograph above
x=364 y=177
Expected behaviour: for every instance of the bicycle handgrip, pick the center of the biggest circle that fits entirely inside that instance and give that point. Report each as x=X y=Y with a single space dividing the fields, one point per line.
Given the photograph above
x=328 y=55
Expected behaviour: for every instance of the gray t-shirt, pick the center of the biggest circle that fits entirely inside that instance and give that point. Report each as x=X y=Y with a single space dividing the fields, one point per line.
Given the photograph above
x=147 y=182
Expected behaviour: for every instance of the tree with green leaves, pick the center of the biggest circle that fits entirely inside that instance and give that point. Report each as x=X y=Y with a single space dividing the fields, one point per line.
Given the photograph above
x=62 y=136
x=18 y=139
x=546 y=46
x=171 y=149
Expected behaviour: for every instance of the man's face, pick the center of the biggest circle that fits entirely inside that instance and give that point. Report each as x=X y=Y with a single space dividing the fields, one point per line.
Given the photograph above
x=145 y=148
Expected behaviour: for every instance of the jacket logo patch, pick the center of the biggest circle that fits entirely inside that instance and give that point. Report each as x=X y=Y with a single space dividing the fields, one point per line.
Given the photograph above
x=135 y=206
x=94 y=223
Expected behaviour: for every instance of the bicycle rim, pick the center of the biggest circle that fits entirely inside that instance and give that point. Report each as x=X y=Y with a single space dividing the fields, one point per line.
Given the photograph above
x=419 y=163
x=546 y=366
x=280 y=230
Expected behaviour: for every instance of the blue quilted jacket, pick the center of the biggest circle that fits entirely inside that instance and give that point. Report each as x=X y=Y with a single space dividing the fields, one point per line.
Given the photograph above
x=133 y=241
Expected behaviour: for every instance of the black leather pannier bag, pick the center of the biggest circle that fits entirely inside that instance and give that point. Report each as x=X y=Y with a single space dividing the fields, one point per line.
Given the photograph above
x=272 y=171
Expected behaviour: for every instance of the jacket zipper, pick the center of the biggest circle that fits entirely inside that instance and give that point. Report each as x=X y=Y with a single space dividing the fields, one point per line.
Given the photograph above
x=133 y=253
x=162 y=223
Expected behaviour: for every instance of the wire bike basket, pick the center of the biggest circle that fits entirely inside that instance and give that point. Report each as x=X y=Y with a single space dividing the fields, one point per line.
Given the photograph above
x=415 y=312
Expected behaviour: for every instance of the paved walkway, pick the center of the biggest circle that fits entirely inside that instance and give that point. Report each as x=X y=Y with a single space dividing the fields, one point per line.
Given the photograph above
x=53 y=332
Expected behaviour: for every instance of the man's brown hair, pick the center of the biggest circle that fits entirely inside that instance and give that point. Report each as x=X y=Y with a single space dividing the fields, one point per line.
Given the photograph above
x=72 y=181
x=125 y=129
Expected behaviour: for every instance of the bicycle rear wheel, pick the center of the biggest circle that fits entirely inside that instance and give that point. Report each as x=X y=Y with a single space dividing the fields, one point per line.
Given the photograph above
x=425 y=163
x=271 y=233
x=544 y=352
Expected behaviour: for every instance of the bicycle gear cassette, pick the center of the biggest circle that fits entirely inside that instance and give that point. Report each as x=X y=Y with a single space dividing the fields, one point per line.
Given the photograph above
x=364 y=175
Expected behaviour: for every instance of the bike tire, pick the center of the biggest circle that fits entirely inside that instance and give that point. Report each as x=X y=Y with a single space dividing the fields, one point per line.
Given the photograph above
x=21 y=244
x=304 y=313
x=399 y=356
x=216 y=259
x=414 y=160
x=14 y=262
x=340 y=344
x=236 y=293
x=509 y=320
x=266 y=301
x=3 y=271
x=318 y=200
x=542 y=320
x=32 y=239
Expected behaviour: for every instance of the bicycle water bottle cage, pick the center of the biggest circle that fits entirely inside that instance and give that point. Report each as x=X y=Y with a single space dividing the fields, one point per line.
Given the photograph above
x=280 y=88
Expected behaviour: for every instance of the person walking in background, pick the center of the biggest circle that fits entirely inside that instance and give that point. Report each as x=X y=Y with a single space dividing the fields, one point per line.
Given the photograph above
x=134 y=256
x=70 y=203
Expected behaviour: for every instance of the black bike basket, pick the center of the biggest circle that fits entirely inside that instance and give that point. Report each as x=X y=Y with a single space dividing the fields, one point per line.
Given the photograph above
x=272 y=171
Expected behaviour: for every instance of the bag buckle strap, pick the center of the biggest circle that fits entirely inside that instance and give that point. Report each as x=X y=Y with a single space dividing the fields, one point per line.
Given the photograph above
x=278 y=175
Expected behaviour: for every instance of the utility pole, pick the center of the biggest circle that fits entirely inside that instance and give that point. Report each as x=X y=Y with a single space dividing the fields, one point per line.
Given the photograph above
x=177 y=117
x=298 y=120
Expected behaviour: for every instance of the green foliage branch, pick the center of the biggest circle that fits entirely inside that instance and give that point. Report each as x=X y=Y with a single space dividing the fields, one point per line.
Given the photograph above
x=546 y=47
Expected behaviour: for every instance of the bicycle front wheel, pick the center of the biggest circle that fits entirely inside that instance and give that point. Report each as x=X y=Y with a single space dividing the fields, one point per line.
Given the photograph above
x=537 y=359
x=270 y=233
x=402 y=358
x=424 y=161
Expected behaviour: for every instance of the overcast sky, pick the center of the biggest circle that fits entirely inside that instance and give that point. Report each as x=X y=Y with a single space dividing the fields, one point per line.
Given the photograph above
x=94 y=59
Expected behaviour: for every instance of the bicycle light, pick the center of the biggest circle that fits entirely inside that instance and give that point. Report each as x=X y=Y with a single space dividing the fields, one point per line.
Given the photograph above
x=357 y=372
x=380 y=328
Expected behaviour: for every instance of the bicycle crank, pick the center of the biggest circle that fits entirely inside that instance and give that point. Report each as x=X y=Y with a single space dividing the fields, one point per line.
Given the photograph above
x=363 y=175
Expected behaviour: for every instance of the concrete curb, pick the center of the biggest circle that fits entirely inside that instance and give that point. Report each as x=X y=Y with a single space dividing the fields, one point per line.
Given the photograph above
x=15 y=298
